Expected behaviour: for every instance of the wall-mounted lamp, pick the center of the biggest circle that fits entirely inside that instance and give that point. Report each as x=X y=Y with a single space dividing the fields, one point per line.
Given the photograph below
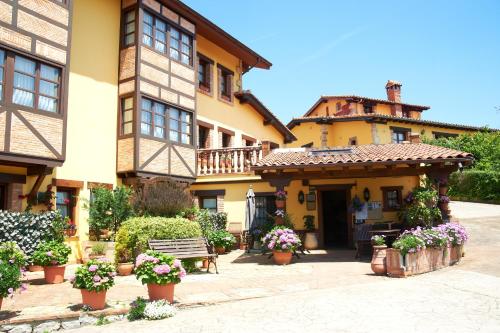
x=301 y=197
x=366 y=194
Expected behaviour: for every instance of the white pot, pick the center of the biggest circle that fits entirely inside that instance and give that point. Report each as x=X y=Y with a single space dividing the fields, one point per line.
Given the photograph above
x=257 y=245
x=311 y=241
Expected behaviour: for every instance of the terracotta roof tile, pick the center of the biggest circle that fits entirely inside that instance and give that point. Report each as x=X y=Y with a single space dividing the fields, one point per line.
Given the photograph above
x=385 y=153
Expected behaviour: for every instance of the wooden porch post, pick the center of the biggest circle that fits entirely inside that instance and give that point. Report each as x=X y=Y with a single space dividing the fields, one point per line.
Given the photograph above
x=441 y=181
x=279 y=184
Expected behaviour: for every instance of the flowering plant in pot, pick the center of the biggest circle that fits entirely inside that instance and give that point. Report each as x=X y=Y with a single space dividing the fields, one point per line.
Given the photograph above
x=12 y=261
x=280 y=199
x=52 y=255
x=311 y=238
x=457 y=235
x=408 y=242
x=221 y=240
x=97 y=251
x=69 y=227
x=378 y=263
x=160 y=272
x=94 y=279
x=283 y=242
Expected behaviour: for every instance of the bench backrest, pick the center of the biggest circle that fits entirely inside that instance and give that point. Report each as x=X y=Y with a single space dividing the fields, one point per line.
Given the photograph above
x=181 y=248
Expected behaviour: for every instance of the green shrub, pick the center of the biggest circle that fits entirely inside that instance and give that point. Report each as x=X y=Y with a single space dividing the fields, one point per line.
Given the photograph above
x=421 y=207
x=12 y=259
x=136 y=311
x=210 y=222
x=221 y=238
x=163 y=198
x=475 y=185
x=51 y=253
x=29 y=229
x=98 y=249
x=135 y=232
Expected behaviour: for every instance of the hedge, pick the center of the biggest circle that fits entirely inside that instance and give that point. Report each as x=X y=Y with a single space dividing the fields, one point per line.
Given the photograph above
x=135 y=232
x=475 y=185
x=28 y=229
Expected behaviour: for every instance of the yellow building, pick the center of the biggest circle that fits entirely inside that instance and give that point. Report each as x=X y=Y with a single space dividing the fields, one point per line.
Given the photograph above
x=103 y=93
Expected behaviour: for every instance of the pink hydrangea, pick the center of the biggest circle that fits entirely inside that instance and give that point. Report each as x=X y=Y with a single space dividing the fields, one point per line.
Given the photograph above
x=142 y=258
x=177 y=263
x=93 y=268
x=49 y=253
x=97 y=278
x=182 y=273
x=162 y=269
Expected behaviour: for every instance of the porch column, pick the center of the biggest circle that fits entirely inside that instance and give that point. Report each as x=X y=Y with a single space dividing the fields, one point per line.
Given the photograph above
x=440 y=179
x=279 y=184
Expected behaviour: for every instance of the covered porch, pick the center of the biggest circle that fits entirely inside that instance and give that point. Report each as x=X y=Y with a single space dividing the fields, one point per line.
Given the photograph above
x=326 y=183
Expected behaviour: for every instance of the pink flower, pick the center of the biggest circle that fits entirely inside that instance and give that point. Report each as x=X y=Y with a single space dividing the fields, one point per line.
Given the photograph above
x=72 y=278
x=97 y=278
x=162 y=269
x=182 y=273
x=24 y=287
x=177 y=263
x=49 y=254
x=93 y=268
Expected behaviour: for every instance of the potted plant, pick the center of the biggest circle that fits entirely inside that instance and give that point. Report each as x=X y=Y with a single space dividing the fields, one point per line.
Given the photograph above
x=378 y=263
x=94 y=279
x=124 y=263
x=280 y=199
x=280 y=217
x=311 y=238
x=283 y=242
x=221 y=240
x=12 y=261
x=444 y=201
x=160 y=272
x=457 y=237
x=53 y=256
x=69 y=227
x=257 y=236
x=97 y=251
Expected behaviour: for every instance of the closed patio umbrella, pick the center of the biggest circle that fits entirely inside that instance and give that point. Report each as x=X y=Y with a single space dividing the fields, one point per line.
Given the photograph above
x=250 y=209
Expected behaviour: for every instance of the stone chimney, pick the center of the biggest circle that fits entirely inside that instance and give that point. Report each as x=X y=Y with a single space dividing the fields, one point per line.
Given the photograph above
x=393 y=89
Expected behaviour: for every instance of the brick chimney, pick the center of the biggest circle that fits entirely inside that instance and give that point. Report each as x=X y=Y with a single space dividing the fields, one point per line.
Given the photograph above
x=393 y=89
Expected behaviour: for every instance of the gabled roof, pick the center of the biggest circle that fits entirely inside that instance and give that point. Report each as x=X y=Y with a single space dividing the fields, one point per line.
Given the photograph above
x=382 y=117
x=393 y=153
x=246 y=97
x=361 y=99
x=215 y=34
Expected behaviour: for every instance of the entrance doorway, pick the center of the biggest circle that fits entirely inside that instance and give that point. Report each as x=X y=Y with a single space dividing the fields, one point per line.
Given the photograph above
x=335 y=218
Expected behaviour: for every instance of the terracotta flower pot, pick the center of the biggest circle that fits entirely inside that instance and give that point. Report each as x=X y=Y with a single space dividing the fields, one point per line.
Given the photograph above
x=378 y=264
x=220 y=249
x=35 y=268
x=125 y=269
x=443 y=189
x=278 y=220
x=280 y=204
x=204 y=263
x=282 y=258
x=94 y=299
x=161 y=291
x=54 y=274
x=243 y=246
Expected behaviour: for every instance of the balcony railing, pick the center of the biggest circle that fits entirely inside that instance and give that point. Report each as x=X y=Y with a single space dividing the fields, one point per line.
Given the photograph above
x=227 y=160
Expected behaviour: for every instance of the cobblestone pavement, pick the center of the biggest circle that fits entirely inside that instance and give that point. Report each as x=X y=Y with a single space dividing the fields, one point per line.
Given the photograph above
x=462 y=298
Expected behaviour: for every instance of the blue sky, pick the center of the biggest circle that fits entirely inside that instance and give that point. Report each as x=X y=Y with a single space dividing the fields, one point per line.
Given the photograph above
x=446 y=53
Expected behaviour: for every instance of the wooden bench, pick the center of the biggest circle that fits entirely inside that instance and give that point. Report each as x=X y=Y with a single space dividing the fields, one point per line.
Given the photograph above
x=186 y=249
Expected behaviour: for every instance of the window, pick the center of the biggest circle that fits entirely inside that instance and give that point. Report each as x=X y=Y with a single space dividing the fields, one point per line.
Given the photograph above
x=438 y=135
x=180 y=126
x=154 y=33
x=129 y=29
x=204 y=74
x=265 y=206
x=64 y=202
x=209 y=203
x=181 y=46
x=226 y=140
x=225 y=84
x=406 y=113
x=368 y=108
x=2 y=70
x=3 y=197
x=399 y=134
x=392 y=198
x=153 y=115
x=34 y=84
x=203 y=137
x=127 y=115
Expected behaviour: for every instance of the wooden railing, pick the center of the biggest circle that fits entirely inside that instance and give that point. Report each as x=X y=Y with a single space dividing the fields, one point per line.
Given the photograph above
x=227 y=160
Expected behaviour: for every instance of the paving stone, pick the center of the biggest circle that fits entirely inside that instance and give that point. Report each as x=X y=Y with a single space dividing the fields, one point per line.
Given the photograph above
x=49 y=326
x=70 y=324
x=251 y=292
x=112 y=319
x=87 y=320
x=25 y=328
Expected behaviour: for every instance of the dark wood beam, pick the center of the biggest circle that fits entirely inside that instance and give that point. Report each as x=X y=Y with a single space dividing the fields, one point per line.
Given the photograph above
x=9 y=178
x=39 y=180
x=67 y=183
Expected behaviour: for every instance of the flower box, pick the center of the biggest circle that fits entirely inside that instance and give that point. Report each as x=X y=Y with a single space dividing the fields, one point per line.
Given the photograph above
x=455 y=254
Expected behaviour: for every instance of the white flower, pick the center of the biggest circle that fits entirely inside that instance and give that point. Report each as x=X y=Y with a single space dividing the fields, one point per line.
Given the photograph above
x=159 y=310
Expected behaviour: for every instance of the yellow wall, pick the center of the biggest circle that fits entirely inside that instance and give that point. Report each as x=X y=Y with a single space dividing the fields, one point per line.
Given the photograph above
x=241 y=118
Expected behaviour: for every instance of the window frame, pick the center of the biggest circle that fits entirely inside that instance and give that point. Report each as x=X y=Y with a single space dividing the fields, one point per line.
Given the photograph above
x=400 y=130
x=8 y=87
x=180 y=41
x=180 y=122
x=153 y=30
x=385 y=199
x=124 y=27
x=368 y=108
x=153 y=114
x=3 y=64
x=122 y=118
x=212 y=197
x=225 y=75
x=71 y=204
x=206 y=86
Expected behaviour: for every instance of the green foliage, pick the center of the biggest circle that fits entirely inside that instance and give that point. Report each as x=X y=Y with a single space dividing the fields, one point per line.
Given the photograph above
x=12 y=259
x=221 y=238
x=51 y=253
x=28 y=229
x=378 y=240
x=98 y=249
x=189 y=264
x=123 y=246
x=210 y=222
x=408 y=243
x=475 y=185
x=136 y=311
x=163 y=198
x=484 y=145
x=11 y=253
x=420 y=208
x=309 y=222
x=138 y=230
x=101 y=321
x=95 y=275
x=158 y=268
x=109 y=209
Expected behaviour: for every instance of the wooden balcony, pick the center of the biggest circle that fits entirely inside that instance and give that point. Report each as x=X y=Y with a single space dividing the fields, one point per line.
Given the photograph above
x=227 y=160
